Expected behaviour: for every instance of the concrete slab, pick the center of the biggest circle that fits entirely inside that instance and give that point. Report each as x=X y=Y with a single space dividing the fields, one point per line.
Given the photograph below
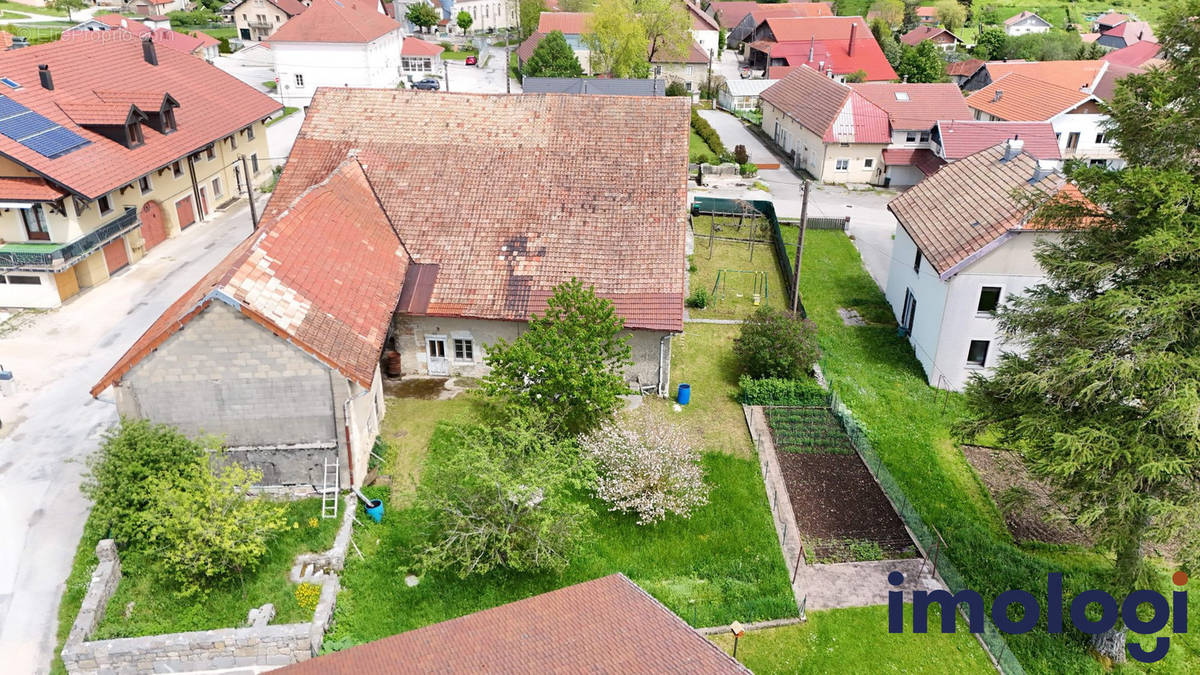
x=860 y=584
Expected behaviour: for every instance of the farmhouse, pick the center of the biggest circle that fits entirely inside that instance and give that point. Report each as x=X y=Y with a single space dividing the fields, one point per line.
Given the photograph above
x=375 y=237
x=913 y=110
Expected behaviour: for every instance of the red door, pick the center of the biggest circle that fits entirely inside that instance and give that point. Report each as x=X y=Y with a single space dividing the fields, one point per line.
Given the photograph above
x=154 y=228
x=115 y=255
x=183 y=209
x=203 y=202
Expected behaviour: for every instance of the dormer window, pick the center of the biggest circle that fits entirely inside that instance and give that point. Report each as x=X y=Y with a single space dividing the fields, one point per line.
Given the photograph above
x=133 y=135
x=250 y=133
x=167 y=117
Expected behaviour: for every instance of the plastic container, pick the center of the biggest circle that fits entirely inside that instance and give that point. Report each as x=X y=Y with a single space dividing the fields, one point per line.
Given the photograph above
x=375 y=510
x=685 y=394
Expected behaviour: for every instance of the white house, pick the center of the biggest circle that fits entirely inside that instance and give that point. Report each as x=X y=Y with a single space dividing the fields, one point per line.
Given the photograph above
x=913 y=110
x=419 y=58
x=961 y=253
x=1025 y=23
x=335 y=45
x=705 y=30
x=487 y=15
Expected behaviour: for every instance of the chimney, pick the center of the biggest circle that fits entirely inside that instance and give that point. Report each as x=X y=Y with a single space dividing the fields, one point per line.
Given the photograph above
x=811 y=46
x=148 y=51
x=1013 y=147
x=853 y=31
x=44 y=76
x=997 y=95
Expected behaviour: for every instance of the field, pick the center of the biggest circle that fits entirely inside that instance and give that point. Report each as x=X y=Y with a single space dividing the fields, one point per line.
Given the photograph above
x=810 y=430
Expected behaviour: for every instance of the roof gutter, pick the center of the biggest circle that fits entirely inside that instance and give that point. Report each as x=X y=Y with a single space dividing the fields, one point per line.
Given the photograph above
x=983 y=250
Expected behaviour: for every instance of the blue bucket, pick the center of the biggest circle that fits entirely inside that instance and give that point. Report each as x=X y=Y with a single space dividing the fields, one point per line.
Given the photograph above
x=375 y=510
x=685 y=394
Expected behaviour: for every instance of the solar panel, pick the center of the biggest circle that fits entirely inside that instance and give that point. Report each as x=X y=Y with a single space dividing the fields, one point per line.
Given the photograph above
x=9 y=107
x=55 y=142
x=26 y=124
x=35 y=131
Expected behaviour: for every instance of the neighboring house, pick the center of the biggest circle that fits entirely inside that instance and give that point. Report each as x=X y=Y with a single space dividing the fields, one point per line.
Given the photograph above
x=836 y=45
x=608 y=625
x=418 y=57
x=913 y=110
x=589 y=85
x=705 y=29
x=1080 y=75
x=742 y=95
x=257 y=20
x=730 y=13
x=104 y=22
x=572 y=24
x=952 y=140
x=754 y=14
x=1137 y=55
x=117 y=164
x=1108 y=22
x=960 y=71
x=1077 y=117
x=198 y=44
x=335 y=44
x=964 y=247
x=691 y=69
x=1126 y=34
x=156 y=7
x=488 y=15
x=944 y=39
x=926 y=15
x=827 y=128
x=1025 y=23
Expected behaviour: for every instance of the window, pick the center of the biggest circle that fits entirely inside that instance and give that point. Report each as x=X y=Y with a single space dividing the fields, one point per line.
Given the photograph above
x=176 y=169
x=105 y=204
x=133 y=131
x=35 y=223
x=924 y=136
x=168 y=120
x=1102 y=137
x=841 y=165
x=464 y=349
x=144 y=184
x=844 y=145
x=250 y=132
x=909 y=312
x=210 y=152
x=216 y=185
x=25 y=280
x=917 y=262
x=233 y=142
x=299 y=80
x=1073 y=140
x=910 y=137
x=868 y=163
x=901 y=96
x=977 y=353
x=254 y=164
x=989 y=299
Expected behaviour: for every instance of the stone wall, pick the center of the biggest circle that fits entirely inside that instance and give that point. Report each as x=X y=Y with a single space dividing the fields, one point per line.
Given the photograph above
x=258 y=645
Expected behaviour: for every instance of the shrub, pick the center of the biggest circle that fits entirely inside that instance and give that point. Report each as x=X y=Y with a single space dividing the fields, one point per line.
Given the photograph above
x=775 y=343
x=645 y=466
x=779 y=391
x=676 y=88
x=199 y=17
x=699 y=299
x=207 y=529
x=132 y=458
x=307 y=596
x=740 y=155
x=705 y=131
x=224 y=47
x=749 y=170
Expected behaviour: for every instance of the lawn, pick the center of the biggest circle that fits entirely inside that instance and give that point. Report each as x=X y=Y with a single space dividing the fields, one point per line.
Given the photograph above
x=407 y=428
x=26 y=9
x=458 y=56
x=697 y=147
x=734 y=299
x=908 y=422
x=288 y=110
x=227 y=33
x=703 y=358
x=856 y=640
x=156 y=609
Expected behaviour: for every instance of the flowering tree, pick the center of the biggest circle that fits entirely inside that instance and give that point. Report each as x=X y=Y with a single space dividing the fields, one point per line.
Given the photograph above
x=646 y=466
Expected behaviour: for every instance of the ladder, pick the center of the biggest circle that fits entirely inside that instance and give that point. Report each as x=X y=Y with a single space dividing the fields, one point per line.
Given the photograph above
x=329 y=489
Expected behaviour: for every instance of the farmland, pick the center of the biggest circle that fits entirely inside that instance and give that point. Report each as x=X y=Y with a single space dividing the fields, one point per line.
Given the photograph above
x=813 y=430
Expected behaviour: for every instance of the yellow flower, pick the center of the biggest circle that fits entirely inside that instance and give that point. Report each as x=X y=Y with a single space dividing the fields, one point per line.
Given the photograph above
x=313 y=522
x=295 y=525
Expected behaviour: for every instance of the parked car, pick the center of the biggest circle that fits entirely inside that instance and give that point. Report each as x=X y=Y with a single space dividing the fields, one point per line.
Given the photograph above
x=428 y=84
x=471 y=60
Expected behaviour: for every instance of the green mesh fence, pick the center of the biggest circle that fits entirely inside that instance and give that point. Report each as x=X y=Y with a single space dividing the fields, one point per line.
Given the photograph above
x=930 y=541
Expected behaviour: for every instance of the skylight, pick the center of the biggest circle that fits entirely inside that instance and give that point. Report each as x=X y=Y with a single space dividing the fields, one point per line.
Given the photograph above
x=10 y=83
x=901 y=96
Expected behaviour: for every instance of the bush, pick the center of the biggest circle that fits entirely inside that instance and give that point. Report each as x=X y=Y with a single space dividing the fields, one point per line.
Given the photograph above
x=778 y=391
x=224 y=47
x=676 y=88
x=775 y=343
x=133 y=458
x=749 y=170
x=740 y=155
x=645 y=466
x=199 y=17
x=705 y=131
x=699 y=299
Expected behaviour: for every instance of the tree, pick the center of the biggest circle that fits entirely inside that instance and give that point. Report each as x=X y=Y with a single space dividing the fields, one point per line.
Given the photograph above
x=464 y=20
x=646 y=466
x=922 y=63
x=992 y=44
x=207 y=529
x=131 y=458
x=553 y=57
x=617 y=41
x=499 y=497
x=667 y=27
x=910 y=20
x=859 y=75
x=568 y=363
x=890 y=12
x=775 y=343
x=422 y=15
x=951 y=14
x=887 y=41
x=677 y=88
x=529 y=13
x=66 y=5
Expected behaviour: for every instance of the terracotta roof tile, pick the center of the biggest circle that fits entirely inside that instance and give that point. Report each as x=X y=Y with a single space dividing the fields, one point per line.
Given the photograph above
x=700 y=20
x=1066 y=74
x=570 y=23
x=1016 y=18
x=567 y=185
x=960 y=139
x=1019 y=98
x=964 y=68
x=828 y=108
x=525 y=49
x=608 y=625
x=26 y=189
x=414 y=46
x=921 y=158
x=916 y=106
x=922 y=33
x=827 y=39
x=348 y=21
x=117 y=21
x=1136 y=54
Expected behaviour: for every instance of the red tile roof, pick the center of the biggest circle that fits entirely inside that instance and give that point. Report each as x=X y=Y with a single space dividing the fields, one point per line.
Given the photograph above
x=324 y=272
x=1135 y=30
x=183 y=42
x=289 y=7
x=730 y=14
x=1019 y=98
x=1067 y=74
x=1136 y=54
x=212 y=105
x=608 y=625
x=804 y=28
x=922 y=33
x=1016 y=18
x=414 y=46
x=926 y=11
x=834 y=55
x=343 y=21
x=964 y=68
x=829 y=109
x=97 y=112
x=117 y=21
x=570 y=23
x=696 y=54
x=921 y=158
x=1111 y=19
x=961 y=139
x=700 y=20
x=969 y=204
x=555 y=197
x=525 y=49
x=28 y=190
x=916 y=106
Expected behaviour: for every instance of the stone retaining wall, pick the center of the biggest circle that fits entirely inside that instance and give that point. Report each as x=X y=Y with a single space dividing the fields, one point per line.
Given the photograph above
x=266 y=645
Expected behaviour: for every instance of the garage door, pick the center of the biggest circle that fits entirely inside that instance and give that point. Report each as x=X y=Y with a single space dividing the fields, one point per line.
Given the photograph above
x=115 y=255
x=184 y=211
x=154 y=226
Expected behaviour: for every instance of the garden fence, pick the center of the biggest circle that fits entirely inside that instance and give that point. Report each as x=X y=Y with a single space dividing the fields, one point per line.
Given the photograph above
x=841 y=224
x=927 y=537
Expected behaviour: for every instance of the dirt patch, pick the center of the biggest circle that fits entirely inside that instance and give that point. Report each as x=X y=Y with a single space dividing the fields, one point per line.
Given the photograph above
x=1030 y=513
x=840 y=511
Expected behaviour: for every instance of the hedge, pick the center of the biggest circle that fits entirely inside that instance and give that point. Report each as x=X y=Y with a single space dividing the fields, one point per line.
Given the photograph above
x=705 y=131
x=778 y=391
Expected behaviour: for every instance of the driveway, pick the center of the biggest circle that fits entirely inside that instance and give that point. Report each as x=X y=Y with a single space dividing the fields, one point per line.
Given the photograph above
x=485 y=79
x=52 y=424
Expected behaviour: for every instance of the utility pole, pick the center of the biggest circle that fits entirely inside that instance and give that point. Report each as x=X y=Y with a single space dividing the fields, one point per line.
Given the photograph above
x=799 y=249
x=446 y=73
x=507 y=61
x=250 y=192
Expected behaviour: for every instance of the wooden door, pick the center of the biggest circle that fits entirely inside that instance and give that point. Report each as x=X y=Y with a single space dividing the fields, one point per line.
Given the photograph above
x=203 y=202
x=154 y=226
x=184 y=211
x=115 y=255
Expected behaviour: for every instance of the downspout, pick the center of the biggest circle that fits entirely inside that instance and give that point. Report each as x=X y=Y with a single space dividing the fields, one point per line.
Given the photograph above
x=664 y=384
x=346 y=417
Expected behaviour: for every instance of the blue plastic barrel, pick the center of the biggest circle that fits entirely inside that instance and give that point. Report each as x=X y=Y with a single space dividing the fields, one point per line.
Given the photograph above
x=375 y=510
x=685 y=394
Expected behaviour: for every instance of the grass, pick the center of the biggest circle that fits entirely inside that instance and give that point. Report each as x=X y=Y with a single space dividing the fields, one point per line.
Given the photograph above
x=157 y=609
x=36 y=33
x=26 y=9
x=458 y=56
x=908 y=422
x=703 y=358
x=270 y=84
x=738 y=289
x=697 y=147
x=227 y=33
x=407 y=428
x=856 y=640
x=287 y=110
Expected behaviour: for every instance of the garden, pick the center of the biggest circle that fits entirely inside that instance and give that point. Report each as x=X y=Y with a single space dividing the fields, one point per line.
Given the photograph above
x=733 y=270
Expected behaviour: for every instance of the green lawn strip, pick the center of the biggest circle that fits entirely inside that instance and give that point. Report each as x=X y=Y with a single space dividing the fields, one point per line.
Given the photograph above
x=288 y=110
x=458 y=56
x=697 y=147
x=735 y=298
x=28 y=9
x=703 y=358
x=908 y=423
x=726 y=558
x=218 y=33
x=407 y=428
x=856 y=640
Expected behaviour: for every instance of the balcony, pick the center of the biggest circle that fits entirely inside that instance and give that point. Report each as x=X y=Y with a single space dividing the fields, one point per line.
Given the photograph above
x=261 y=24
x=51 y=257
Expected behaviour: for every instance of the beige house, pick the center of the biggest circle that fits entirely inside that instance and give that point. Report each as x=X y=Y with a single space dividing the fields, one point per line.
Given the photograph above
x=257 y=20
x=168 y=161
x=827 y=129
